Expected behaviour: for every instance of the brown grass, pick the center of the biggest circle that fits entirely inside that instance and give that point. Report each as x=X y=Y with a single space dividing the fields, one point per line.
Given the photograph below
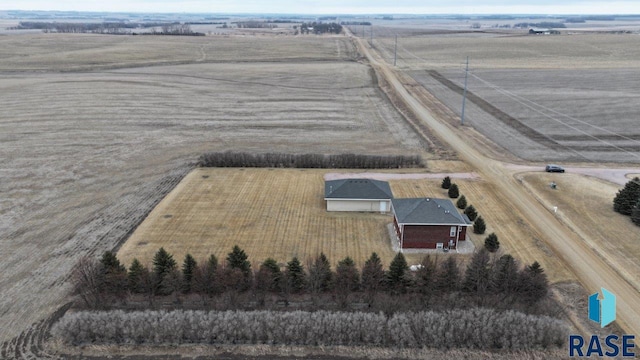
x=278 y=213
x=72 y=52
x=585 y=204
x=516 y=236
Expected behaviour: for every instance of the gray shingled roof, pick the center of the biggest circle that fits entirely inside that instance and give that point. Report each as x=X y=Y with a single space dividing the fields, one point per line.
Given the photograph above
x=427 y=211
x=357 y=189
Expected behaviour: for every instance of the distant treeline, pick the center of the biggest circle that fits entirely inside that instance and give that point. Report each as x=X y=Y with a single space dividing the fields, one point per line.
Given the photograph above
x=321 y=28
x=74 y=27
x=312 y=161
x=470 y=328
x=116 y=28
x=367 y=23
x=544 y=24
x=581 y=19
x=254 y=24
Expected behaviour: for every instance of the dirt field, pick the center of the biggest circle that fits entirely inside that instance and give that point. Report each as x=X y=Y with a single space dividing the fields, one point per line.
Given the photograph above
x=550 y=114
x=562 y=98
x=277 y=213
x=87 y=52
x=586 y=205
x=87 y=154
x=512 y=51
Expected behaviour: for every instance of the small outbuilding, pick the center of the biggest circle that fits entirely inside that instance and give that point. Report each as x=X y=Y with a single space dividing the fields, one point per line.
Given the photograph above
x=358 y=195
x=427 y=223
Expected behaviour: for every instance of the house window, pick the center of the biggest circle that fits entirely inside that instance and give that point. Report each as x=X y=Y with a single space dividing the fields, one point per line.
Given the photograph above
x=453 y=230
x=439 y=245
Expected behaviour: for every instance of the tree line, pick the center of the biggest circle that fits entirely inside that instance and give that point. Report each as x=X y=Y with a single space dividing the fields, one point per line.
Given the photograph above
x=491 y=242
x=314 y=161
x=112 y=28
x=487 y=280
x=470 y=328
x=627 y=200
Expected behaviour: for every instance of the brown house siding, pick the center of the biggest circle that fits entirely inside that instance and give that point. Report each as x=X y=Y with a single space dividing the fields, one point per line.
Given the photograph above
x=427 y=236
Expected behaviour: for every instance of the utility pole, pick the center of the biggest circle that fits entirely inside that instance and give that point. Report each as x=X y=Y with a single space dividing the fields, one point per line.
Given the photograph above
x=395 y=52
x=464 y=94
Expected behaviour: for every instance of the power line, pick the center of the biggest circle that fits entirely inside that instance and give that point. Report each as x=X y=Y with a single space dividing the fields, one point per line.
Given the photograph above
x=517 y=99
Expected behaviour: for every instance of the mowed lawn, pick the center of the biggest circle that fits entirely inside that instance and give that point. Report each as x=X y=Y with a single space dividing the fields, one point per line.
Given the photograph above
x=278 y=213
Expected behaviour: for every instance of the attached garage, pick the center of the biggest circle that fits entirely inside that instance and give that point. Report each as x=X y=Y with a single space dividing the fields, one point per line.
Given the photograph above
x=358 y=195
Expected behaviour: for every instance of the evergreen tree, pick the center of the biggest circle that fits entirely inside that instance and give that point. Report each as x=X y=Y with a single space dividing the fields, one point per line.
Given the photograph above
x=479 y=226
x=397 y=276
x=453 y=191
x=163 y=263
x=534 y=283
x=635 y=214
x=462 y=202
x=446 y=182
x=320 y=275
x=111 y=263
x=347 y=275
x=373 y=274
x=188 y=269
x=136 y=275
x=164 y=267
x=448 y=276
x=426 y=276
x=627 y=197
x=506 y=277
x=295 y=275
x=471 y=212
x=205 y=278
x=237 y=259
x=491 y=243
x=478 y=274
x=114 y=274
x=271 y=267
x=347 y=280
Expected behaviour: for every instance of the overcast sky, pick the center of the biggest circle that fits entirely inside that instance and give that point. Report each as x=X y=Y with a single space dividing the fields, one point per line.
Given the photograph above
x=337 y=6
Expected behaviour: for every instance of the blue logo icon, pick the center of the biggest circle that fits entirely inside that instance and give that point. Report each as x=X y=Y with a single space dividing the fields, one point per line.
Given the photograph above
x=602 y=311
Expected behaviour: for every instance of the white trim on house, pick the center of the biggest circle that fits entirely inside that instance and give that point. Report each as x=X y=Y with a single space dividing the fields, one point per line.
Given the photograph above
x=432 y=224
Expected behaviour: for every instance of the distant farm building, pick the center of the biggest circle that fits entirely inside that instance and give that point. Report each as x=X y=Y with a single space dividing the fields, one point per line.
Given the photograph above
x=543 y=32
x=358 y=195
x=428 y=223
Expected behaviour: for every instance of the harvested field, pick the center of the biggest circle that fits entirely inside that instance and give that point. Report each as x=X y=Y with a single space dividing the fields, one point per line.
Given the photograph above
x=549 y=114
x=87 y=154
x=562 y=98
x=88 y=52
x=585 y=204
x=278 y=213
x=513 y=51
x=516 y=236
